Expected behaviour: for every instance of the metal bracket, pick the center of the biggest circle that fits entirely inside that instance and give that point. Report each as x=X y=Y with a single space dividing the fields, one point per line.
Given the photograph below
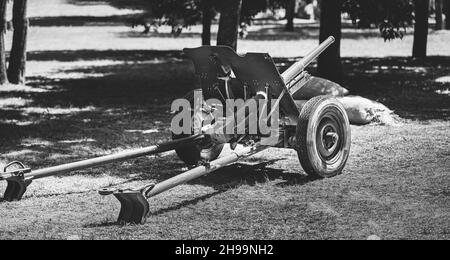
x=134 y=207
x=17 y=183
x=299 y=82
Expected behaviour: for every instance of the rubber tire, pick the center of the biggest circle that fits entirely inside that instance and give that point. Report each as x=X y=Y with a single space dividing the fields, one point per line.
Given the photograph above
x=310 y=119
x=193 y=154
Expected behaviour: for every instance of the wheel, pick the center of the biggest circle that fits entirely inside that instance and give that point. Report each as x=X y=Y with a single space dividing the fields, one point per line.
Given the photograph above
x=205 y=151
x=323 y=137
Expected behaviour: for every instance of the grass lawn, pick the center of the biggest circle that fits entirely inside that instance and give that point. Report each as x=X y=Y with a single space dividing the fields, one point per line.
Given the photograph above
x=91 y=96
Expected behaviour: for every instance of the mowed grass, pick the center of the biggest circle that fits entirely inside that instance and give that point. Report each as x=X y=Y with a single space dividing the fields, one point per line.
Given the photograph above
x=111 y=91
x=395 y=187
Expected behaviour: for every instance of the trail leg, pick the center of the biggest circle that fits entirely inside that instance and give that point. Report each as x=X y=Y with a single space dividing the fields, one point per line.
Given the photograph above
x=16 y=189
x=134 y=207
x=17 y=183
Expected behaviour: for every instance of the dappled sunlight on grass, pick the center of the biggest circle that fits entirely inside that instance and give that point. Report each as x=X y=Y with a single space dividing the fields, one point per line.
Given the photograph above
x=57 y=186
x=58 y=70
x=19 y=153
x=443 y=92
x=74 y=75
x=22 y=89
x=29 y=142
x=398 y=69
x=13 y=102
x=55 y=110
x=77 y=141
x=18 y=123
x=150 y=131
x=444 y=79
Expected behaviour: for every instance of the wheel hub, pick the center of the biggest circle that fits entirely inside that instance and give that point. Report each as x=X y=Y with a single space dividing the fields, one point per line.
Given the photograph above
x=328 y=138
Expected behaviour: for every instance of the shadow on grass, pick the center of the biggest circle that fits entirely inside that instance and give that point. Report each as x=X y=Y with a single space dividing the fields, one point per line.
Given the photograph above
x=234 y=176
x=67 y=21
x=408 y=86
x=307 y=31
x=126 y=4
x=249 y=174
x=162 y=211
x=116 y=55
x=134 y=95
x=230 y=178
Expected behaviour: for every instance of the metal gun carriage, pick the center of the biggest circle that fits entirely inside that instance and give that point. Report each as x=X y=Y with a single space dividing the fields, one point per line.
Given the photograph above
x=318 y=129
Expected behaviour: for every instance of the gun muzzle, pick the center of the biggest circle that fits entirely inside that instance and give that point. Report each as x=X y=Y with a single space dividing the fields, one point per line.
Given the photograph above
x=295 y=70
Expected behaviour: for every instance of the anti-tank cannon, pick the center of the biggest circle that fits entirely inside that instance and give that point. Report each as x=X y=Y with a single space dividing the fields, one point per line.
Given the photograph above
x=318 y=129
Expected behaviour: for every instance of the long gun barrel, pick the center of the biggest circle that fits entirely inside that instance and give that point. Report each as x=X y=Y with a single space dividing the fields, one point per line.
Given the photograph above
x=295 y=70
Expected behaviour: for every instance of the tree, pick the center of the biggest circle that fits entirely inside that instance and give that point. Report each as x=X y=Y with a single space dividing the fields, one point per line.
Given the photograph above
x=185 y=13
x=438 y=7
x=18 y=57
x=3 y=26
x=421 y=28
x=230 y=14
x=250 y=8
x=447 y=14
x=290 y=15
x=330 y=66
x=208 y=13
x=176 y=13
x=392 y=17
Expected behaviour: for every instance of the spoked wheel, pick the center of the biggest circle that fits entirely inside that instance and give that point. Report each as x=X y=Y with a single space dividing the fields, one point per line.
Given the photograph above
x=323 y=137
x=204 y=151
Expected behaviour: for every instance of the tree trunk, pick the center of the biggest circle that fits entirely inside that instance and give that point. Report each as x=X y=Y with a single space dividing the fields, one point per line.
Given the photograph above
x=290 y=15
x=330 y=66
x=18 y=57
x=421 y=28
x=447 y=14
x=438 y=7
x=3 y=75
x=208 y=13
x=229 y=23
